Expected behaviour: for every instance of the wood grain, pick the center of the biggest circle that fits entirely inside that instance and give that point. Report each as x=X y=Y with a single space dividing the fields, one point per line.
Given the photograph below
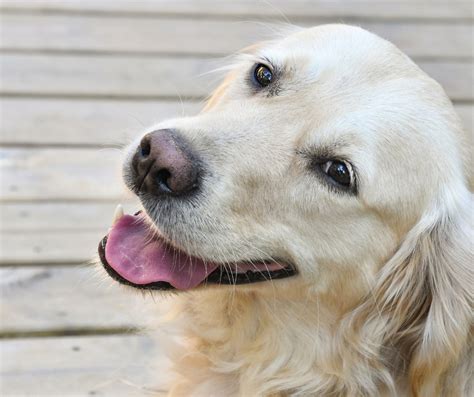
x=49 y=247
x=157 y=77
x=43 y=121
x=458 y=88
x=66 y=298
x=86 y=122
x=54 y=233
x=82 y=366
x=186 y=36
x=41 y=174
x=109 y=76
x=70 y=216
x=280 y=9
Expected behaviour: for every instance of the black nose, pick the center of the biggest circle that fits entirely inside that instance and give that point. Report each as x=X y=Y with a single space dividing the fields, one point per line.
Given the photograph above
x=165 y=165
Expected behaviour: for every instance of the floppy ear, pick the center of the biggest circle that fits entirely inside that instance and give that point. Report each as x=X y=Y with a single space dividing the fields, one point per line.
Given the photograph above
x=421 y=307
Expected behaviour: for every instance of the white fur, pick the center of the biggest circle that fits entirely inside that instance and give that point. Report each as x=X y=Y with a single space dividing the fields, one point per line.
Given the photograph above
x=382 y=304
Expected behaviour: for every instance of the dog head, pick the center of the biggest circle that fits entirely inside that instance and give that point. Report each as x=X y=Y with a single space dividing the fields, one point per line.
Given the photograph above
x=309 y=166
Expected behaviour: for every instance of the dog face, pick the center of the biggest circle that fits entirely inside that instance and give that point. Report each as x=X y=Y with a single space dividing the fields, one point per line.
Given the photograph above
x=313 y=159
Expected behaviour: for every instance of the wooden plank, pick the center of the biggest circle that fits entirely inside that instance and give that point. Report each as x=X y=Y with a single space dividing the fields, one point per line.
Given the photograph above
x=451 y=10
x=60 y=298
x=59 y=232
x=42 y=174
x=82 y=366
x=109 y=76
x=54 y=233
x=86 y=33
x=448 y=74
x=49 y=247
x=59 y=216
x=99 y=122
x=185 y=36
x=87 y=122
x=119 y=76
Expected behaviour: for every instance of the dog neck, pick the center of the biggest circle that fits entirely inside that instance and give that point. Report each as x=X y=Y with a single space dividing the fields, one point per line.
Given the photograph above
x=252 y=343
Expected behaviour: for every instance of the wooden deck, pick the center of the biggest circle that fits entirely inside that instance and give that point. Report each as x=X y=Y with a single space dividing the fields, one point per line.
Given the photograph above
x=80 y=78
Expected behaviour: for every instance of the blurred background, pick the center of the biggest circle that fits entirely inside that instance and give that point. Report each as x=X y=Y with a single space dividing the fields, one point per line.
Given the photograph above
x=81 y=78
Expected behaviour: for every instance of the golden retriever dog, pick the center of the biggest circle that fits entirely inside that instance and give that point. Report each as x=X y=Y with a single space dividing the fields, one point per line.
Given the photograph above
x=315 y=224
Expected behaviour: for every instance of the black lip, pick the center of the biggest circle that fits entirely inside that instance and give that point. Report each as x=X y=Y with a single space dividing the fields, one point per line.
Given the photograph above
x=219 y=276
x=223 y=276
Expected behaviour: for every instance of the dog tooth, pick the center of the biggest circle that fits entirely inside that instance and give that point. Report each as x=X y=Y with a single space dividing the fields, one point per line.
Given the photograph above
x=117 y=214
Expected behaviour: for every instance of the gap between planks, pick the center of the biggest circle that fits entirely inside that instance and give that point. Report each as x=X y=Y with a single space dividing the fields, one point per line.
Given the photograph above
x=60 y=332
x=73 y=300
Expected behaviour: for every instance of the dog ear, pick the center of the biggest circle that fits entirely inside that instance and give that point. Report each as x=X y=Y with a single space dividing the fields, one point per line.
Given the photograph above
x=421 y=306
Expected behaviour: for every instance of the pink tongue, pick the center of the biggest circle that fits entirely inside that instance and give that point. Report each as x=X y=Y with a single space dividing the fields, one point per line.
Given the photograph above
x=139 y=257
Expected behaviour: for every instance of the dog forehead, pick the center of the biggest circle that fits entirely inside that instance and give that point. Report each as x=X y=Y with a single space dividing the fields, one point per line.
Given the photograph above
x=333 y=41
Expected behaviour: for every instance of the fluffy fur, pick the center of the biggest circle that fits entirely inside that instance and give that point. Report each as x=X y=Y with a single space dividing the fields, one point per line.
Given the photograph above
x=382 y=304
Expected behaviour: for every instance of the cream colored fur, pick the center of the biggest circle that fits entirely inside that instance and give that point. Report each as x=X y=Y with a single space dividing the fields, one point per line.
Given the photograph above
x=382 y=304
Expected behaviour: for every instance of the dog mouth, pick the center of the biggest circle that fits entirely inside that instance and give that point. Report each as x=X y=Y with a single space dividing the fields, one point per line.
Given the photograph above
x=135 y=255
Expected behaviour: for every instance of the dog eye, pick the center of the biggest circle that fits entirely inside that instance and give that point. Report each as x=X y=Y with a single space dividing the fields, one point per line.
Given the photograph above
x=338 y=171
x=262 y=75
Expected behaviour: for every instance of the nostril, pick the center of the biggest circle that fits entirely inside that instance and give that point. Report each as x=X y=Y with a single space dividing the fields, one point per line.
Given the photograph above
x=162 y=177
x=164 y=165
x=145 y=148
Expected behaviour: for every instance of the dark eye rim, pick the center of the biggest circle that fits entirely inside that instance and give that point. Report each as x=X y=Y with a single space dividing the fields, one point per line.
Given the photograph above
x=255 y=80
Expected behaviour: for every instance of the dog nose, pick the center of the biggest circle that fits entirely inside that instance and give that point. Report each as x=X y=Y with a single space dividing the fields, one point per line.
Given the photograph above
x=165 y=165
